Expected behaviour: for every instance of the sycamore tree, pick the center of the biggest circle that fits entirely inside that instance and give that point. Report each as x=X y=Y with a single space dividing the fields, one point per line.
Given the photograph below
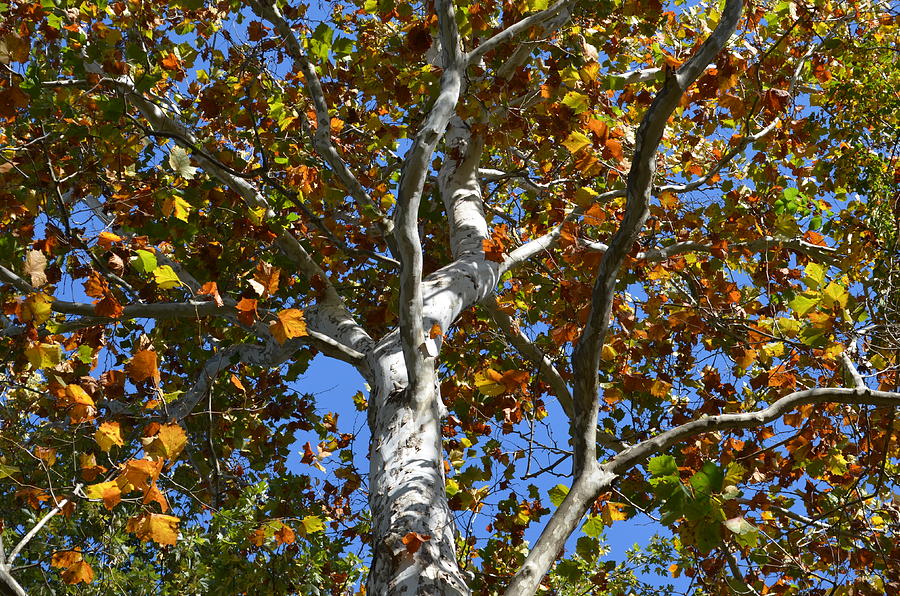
x=595 y=259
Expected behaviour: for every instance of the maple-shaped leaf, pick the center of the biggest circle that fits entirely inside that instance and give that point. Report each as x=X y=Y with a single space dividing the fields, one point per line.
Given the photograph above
x=169 y=442
x=87 y=465
x=414 y=541
x=178 y=207
x=576 y=142
x=78 y=572
x=108 y=434
x=285 y=535
x=290 y=324
x=109 y=306
x=611 y=512
x=161 y=529
x=36 y=309
x=64 y=559
x=143 y=366
x=312 y=524
x=139 y=474
x=170 y=62
x=246 y=308
x=180 y=161
x=35 y=264
x=210 y=288
x=110 y=492
x=95 y=286
x=267 y=276
x=490 y=382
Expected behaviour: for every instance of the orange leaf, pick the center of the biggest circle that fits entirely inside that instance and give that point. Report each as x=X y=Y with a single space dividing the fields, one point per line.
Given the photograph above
x=414 y=541
x=95 y=286
x=435 y=331
x=109 y=492
x=138 y=474
x=285 y=535
x=79 y=572
x=162 y=529
x=154 y=495
x=65 y=558
x=246 y=310
x=290 y=324
x=237 y=383
x=106 y=239
x=81 y=406
x=143 y=366
x=171 y=62
x=267 y=276
x=109 y=306
x=210 y=288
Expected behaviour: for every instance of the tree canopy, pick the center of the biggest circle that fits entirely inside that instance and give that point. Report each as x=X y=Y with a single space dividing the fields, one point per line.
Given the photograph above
x=596 y=260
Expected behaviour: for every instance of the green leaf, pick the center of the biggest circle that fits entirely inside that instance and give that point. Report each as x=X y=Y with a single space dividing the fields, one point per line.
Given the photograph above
x=835 y=294
x=558 y=493
x=587 y=548
x=803 y=303
x=165 y=278
x=85 y=354
x=662 y=465
x=144 y=261
x=707 y=536
x=708 y=479
x=320 y=42
x=8 y=471
x=593 y=526
x=180 y=161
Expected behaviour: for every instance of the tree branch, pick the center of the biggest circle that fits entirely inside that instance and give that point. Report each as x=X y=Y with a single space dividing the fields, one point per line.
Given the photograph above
x=586 y=356
x=322 y=137
x=412 y=180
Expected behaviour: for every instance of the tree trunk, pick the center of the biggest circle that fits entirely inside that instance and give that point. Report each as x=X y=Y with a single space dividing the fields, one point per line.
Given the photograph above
x=414 y=530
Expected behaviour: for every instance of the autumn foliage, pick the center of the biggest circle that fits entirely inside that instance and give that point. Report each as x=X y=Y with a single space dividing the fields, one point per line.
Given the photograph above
x=591 y=268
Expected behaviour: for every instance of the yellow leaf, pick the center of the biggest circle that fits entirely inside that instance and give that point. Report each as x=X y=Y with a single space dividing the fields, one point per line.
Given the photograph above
x=290 y=324
x=43 y=355
x=312 y=523
x=490 y=383
x=109 y=492
x=36 y=309
x=169 y=442
x=178 y=207
x=576 y=141
x=612 y=512
x=608 y=353
x=660 y=389
x=108 y=434
x=834 y=294
x=162 y=529
x=668 y=200
x=165 y=277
